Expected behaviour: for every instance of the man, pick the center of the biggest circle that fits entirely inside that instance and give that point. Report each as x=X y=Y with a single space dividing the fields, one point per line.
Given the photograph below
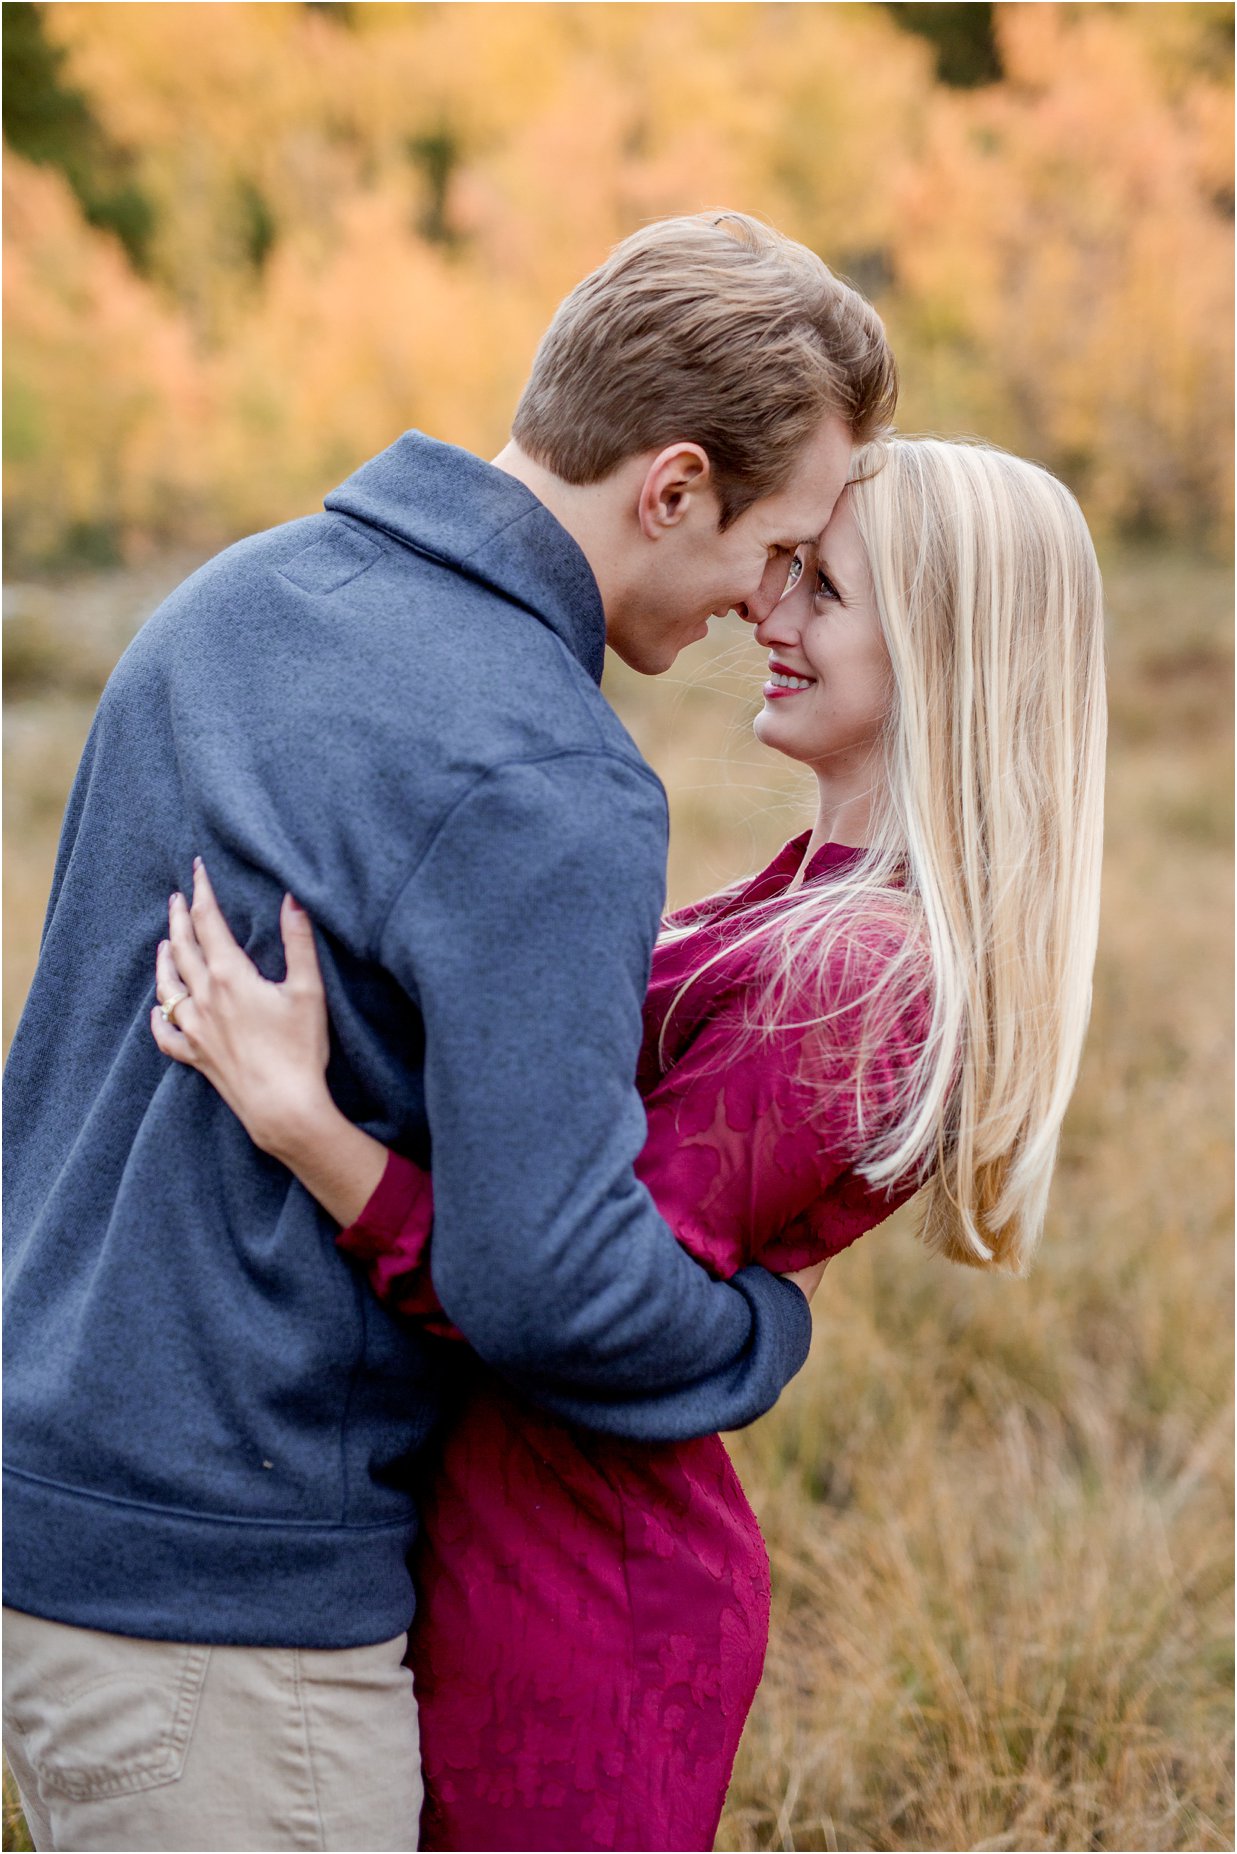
x=392 y=711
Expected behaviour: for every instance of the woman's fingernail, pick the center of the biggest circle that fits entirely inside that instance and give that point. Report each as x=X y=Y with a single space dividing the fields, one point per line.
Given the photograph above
x=174 y=897
x=197 y=862
x=295 y=905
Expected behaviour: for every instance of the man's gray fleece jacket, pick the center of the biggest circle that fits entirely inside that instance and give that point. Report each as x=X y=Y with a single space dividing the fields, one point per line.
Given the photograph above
x=391 y=709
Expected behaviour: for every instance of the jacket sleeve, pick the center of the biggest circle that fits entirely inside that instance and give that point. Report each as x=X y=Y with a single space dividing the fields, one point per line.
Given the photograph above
x=525 y=935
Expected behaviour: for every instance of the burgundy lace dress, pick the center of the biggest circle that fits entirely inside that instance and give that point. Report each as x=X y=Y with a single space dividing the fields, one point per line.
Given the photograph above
x=593 y=1614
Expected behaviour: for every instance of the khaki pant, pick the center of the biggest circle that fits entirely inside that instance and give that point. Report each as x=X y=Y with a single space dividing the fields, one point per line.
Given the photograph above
x=128 y=1744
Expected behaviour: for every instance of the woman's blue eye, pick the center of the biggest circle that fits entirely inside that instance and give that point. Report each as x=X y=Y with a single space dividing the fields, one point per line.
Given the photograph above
x=825 y=588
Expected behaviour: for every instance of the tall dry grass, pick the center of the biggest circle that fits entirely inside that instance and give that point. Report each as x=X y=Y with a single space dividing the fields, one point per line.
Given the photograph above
x=999 y=1512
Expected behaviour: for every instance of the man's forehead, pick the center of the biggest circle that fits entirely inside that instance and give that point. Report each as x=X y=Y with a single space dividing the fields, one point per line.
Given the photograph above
x=796 y=515
x=809 y=504
x=803 y=525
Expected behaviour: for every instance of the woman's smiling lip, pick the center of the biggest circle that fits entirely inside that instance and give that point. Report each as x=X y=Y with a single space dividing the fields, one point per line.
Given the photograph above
x=774 y=690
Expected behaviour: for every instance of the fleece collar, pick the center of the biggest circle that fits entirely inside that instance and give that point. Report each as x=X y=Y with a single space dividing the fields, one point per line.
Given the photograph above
x=481 y=522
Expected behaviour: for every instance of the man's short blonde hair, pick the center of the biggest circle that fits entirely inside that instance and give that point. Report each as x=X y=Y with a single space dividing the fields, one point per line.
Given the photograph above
x=713 y=329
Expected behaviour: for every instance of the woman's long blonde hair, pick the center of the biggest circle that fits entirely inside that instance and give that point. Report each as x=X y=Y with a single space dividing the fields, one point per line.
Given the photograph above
x=981 y=879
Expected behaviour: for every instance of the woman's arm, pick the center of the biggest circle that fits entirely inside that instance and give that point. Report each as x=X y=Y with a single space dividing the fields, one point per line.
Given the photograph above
x=265 y=1046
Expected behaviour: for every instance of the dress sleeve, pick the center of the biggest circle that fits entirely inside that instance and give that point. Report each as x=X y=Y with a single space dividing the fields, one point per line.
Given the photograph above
x=708 y=908
x=391 y=1240
x=753 y=1140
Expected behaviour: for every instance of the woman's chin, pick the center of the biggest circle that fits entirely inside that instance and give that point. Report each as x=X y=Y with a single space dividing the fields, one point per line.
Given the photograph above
x=765 y=728
x=770 y=733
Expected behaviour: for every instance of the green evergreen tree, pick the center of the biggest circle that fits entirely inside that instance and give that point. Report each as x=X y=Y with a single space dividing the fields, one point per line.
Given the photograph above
x=48 y=121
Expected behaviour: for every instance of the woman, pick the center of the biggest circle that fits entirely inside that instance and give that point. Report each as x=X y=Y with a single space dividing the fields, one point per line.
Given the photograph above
x=897 y=1003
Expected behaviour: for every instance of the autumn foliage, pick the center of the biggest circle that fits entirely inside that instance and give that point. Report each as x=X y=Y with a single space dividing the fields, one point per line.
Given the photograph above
x=358 y=219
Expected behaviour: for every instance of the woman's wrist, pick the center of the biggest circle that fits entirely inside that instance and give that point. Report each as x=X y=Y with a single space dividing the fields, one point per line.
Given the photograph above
x=299 y=1128
x=338 y=1163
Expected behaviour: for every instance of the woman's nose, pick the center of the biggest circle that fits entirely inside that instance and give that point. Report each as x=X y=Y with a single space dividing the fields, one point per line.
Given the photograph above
x=759 y=610
x=777 y=626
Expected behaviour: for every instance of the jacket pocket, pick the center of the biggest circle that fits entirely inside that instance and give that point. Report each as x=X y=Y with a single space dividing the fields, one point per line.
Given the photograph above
x=99 y=1715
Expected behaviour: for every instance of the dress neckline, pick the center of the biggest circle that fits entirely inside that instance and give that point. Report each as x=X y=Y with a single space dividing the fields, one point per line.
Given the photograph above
x=829 y=855
x=774 y=879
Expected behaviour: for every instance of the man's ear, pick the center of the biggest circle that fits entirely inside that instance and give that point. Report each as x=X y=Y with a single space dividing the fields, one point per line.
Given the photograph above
x=674 y=480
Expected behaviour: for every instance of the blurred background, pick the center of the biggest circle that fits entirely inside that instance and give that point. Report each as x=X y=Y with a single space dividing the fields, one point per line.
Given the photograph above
x=246 y=245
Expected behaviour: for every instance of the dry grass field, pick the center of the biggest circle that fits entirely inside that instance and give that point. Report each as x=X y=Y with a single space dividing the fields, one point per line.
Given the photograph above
x=1000 y=1513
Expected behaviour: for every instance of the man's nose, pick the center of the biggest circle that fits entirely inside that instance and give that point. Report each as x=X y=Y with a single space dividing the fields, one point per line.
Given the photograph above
x=767 y=596
x=759 y=607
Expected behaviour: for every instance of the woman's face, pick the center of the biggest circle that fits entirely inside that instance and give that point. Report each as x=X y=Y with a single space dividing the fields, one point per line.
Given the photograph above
x=830 y=684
